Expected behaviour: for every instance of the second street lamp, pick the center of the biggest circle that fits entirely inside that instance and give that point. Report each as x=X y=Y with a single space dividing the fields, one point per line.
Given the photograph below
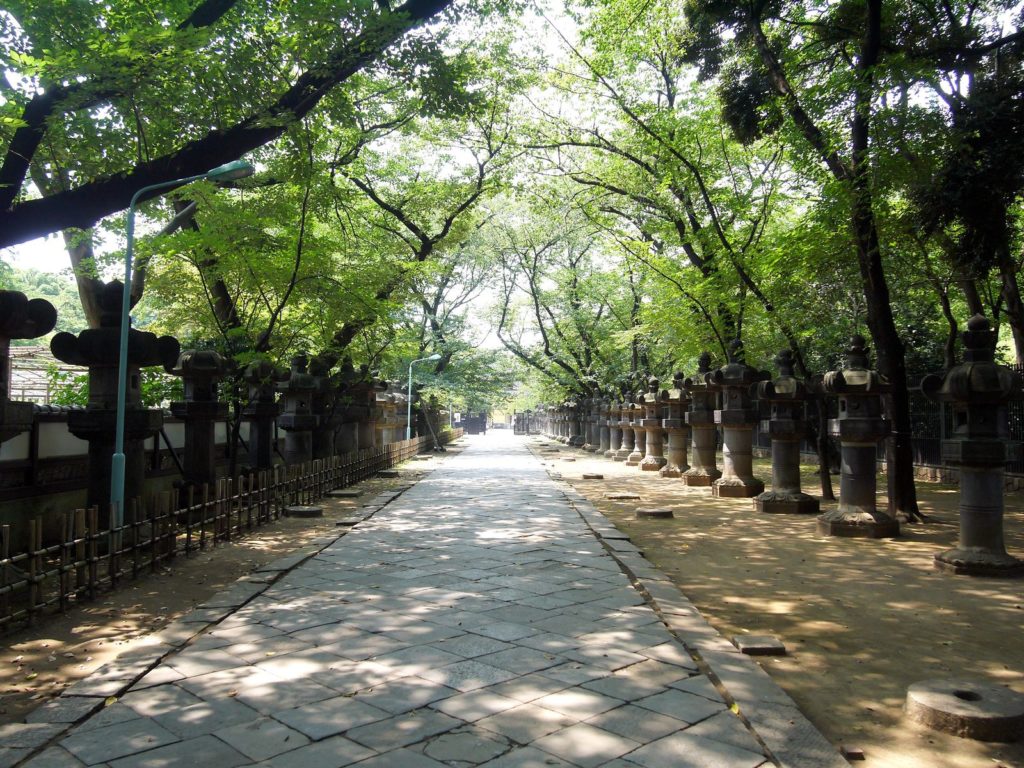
x=408 y=405
x=237 y=169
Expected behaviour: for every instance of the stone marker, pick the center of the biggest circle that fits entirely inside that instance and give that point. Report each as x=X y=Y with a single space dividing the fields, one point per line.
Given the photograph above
x=701 y=420
x=971 y=709
x=592 y=476
x=737 y=418
x=759 y=645
x=568 y=458
x=303 y=510
x=859 y=428
x=622 y=496
x=388 y=473
x=654 y=514
x=786 y=427
x=978 y=390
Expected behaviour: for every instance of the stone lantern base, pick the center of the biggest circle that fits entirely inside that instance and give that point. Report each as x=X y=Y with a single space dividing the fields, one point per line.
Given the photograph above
x=700 y=478
x=858 y=525
x=737 y=488
x=977 y=562
x=776 y=503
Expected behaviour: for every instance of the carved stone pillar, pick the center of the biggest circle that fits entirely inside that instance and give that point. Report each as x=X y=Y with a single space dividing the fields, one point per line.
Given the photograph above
x=262 y=409
x=614 y=429
x=636 y=423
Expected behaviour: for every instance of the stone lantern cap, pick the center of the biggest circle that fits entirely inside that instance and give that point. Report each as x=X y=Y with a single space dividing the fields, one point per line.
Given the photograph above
x=201 y=369
x=736 y=372
x=978 y=379
x=298 y=379
x=202 y=363
x=676 y=400
x=101 y=346
x=698 y=382
x=978 y=389
x=262 y=378
x=25 y=318
x=859 y=390
x=856 y=376
x=787 y=395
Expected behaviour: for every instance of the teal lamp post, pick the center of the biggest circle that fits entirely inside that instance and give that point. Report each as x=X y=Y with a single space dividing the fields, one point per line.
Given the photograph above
x=237 y=169
x=408 y=403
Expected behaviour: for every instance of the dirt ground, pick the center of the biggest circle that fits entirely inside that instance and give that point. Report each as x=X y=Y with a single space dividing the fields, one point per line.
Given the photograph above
x=37 y=663
x=862 y=620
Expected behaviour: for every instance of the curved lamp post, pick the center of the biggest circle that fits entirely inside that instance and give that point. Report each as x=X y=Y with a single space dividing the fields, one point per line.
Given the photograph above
x=237 y=169
x=408 y=403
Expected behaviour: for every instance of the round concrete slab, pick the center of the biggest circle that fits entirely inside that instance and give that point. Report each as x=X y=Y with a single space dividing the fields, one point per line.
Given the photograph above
x=303 y=510
x=973 y=709
x=654 y=514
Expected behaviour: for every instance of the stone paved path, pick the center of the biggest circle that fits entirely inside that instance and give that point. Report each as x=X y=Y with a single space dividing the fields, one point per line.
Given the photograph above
x=479 y=619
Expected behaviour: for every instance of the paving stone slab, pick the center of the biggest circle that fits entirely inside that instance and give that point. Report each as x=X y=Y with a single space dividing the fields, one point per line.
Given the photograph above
x=205 y=750
x=54 y=757
x=684 y=750
x=119 y=740
x=64 y=709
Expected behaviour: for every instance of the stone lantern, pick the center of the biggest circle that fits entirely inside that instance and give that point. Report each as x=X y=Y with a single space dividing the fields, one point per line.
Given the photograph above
x=701 y=420
x=576 y=423
x=99 y=350
x=614 y=429
x=978 y=390
x=604 y=441
x=200 y=371
x=737 y=418
x=297 y=419
x=591 y=430
x=628 y=438
x=261 y=410
x=676 y=402
x=655 y=458
x=345 y=410
x=324 y=404
x=636 y=423
x=787 y=427
x=860 y=427
x=20 y=318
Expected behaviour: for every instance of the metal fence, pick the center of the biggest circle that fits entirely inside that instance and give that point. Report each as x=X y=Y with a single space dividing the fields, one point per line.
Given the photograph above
x=84 y=559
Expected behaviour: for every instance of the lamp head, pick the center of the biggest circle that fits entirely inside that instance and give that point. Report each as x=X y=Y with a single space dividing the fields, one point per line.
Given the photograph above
x=236 y=169
x=434 y=356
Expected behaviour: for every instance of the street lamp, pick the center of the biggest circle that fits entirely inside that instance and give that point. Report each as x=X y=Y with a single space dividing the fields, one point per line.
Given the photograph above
x=237 y=169
x=408 y=405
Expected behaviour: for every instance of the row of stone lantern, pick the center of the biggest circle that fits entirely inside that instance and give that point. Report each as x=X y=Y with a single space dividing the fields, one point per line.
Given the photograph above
x=320 y=413
x=644 y=426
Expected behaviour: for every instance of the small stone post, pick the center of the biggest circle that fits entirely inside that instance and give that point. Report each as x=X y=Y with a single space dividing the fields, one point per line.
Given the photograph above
x=737 y=417
x=701 y=420
x=786 y=427
x=20 y=318
x=200 y=371
x=261 y=378
x=676 y=402
x=978 y=390
x=99 y=350
x=860 y=427
x=655 y=458
x=636 y=423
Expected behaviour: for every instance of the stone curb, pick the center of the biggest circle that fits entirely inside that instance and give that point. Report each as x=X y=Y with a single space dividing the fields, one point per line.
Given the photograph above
x=47 y=724
x=790 y=738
